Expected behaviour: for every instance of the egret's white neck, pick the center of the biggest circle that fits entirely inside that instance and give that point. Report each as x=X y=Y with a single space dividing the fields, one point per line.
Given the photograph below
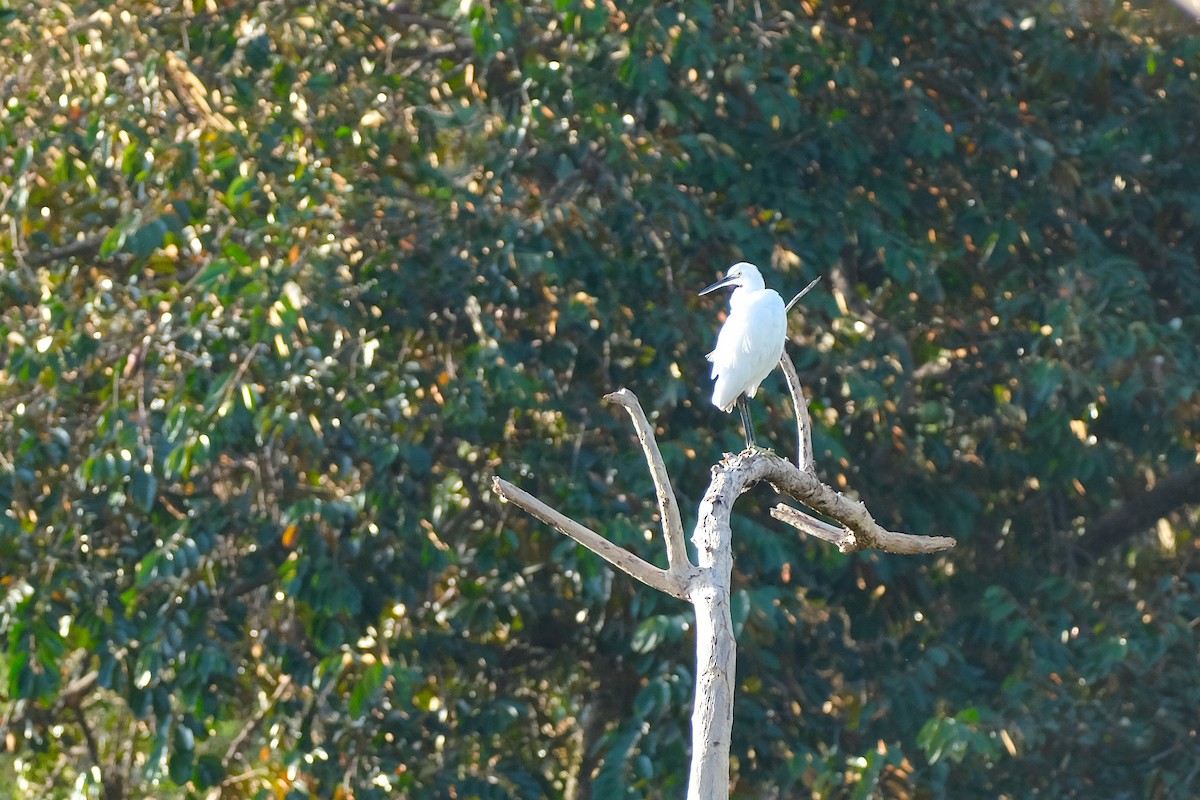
x=751 y=285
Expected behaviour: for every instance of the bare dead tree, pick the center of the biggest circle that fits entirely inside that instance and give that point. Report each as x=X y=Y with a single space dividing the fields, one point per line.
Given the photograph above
x=706 y=583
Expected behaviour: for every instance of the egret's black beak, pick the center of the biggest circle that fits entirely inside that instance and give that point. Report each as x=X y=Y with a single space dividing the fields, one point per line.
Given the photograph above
x=721 y=284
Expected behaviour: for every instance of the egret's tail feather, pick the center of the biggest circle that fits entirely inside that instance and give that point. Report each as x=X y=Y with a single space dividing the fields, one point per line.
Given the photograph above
x=724 y=397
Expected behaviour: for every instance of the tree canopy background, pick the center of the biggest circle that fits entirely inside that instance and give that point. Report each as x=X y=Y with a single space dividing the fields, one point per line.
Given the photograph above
x=285 y=284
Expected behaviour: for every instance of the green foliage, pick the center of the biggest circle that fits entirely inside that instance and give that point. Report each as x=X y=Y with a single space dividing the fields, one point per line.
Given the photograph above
x=284 y=285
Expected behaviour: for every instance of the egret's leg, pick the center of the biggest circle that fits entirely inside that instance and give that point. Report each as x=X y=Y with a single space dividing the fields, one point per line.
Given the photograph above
x=747 y=423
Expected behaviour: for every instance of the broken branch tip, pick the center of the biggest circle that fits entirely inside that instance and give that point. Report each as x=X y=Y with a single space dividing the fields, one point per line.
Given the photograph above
x=619 y=396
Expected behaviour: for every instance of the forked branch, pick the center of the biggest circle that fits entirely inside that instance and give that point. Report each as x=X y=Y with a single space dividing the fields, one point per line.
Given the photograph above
x=619 y=557
x=672 y=524
x=859 y=530
x=673 y=580
x=707 y=583
x=804 y=448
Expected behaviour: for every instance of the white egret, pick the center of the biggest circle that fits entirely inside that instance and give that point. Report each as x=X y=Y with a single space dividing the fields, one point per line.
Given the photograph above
x=750 y=342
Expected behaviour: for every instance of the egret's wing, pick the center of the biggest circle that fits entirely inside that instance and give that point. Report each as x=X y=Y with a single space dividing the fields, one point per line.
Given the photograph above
x=769 y=334
x=729 y=344
x=748 y=346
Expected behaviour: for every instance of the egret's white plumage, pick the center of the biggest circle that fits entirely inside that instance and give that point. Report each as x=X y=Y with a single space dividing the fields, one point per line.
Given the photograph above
x=751 y=340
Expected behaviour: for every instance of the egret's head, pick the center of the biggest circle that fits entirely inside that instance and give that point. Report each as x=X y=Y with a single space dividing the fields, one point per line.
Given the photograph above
x=742 y=275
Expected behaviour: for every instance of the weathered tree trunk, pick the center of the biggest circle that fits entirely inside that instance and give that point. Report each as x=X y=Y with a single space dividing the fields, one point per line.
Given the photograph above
x=716 y=652
x=712 y=713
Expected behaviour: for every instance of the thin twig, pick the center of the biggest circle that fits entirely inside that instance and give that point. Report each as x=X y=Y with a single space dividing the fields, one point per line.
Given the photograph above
x=803 y=292
x=670 y=582
x=804 y=448
x=84 y=248
x=807 y=523
x=672 y=523
x=108 y=790
x=236 y=745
